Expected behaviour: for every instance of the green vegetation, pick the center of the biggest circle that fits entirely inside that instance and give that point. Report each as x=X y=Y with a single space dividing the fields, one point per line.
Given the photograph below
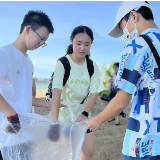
x=106 y=91
x=105 y=71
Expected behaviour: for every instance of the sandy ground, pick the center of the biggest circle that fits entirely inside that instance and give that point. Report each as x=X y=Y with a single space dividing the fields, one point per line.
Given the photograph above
x=108 y=138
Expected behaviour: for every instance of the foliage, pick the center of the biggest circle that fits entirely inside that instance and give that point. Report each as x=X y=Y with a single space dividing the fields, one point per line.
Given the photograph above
x=105 y=71
x=106 y=91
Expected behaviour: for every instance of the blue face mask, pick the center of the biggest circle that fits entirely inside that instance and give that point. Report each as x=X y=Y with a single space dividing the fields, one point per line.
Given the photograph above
x=127 y=35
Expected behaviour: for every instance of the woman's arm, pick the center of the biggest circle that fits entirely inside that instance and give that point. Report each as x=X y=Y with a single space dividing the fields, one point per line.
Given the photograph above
x=88 y=107
x=91 y=102
x=55 y=103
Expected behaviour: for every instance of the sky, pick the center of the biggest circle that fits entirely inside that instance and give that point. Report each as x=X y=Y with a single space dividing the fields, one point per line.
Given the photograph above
x=65 y=16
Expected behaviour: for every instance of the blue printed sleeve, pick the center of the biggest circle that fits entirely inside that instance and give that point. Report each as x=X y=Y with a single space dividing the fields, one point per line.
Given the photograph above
x=130 y=68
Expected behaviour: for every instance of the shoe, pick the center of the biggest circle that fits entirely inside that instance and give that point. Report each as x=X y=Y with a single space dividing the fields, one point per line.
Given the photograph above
x=104 y=103
x=123 y=114
x=117 y=124
x=101 y=104
x=111 y=120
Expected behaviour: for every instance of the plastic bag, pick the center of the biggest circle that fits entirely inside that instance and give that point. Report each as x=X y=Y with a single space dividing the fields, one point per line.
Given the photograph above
x=32 y=142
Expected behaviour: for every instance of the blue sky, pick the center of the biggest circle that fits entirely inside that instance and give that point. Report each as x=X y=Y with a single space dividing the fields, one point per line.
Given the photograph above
x=65 y=16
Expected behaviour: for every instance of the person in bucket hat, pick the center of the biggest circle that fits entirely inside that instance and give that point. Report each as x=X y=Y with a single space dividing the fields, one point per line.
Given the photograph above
x=139 y=76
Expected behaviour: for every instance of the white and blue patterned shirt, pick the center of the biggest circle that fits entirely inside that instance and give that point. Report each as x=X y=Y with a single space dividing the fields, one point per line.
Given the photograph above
x=139 y=75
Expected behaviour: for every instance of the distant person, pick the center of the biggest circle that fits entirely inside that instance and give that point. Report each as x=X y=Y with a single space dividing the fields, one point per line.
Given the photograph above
x=16 y=69
x=113 y=93
x=33 y=88
x=139 y=76
x=75 y=89
x=33 y=92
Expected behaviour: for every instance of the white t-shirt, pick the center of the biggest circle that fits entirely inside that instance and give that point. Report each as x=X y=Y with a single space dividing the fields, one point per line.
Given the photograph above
x=15 y=79
x=139 y=75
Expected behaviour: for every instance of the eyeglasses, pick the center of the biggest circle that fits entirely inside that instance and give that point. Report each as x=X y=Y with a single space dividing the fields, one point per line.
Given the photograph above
x=42 y=41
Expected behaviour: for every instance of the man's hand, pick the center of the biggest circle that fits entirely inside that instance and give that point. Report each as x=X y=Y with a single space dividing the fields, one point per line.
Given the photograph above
x=48 y=104
x=81 y=118
x=15 y=126
x=93 y=124
x=54 y=132
x=41 y=103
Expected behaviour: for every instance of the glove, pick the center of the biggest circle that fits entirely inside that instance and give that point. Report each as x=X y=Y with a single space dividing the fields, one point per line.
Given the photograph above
x=54 y=133
x=15 y=127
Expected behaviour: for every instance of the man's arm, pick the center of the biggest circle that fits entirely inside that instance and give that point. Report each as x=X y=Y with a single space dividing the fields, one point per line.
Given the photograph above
x=33 y=88
x=41 y=103
x=5 y=108
x=116 y=105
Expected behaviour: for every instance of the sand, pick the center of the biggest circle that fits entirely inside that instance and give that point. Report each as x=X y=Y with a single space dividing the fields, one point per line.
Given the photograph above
x=108 y=138
x=40 y=94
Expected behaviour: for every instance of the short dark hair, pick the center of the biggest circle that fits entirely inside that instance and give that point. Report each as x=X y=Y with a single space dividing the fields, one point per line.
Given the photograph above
x=144 y=11
x=37 y=19
x=116 y=64
x=77 y=30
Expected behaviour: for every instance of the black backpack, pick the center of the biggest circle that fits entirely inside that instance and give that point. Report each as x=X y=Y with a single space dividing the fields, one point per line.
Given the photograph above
x=67 y=68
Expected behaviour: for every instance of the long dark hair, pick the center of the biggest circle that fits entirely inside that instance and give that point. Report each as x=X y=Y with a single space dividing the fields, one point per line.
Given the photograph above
x=77 y=30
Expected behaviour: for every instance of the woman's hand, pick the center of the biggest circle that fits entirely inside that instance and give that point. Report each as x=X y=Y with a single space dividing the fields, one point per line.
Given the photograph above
x=54 y=132
x=62 y=105
x=81 y=118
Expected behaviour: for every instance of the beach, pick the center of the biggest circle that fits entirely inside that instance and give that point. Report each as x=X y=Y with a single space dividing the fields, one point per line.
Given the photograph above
x=108 y=138
x=41 y=93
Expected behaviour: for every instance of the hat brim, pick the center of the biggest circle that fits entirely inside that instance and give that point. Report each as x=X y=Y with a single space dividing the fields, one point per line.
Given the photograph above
x=115 y=32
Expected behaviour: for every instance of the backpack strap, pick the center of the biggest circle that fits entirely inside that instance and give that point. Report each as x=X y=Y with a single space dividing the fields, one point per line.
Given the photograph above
x=153 y=49
x=67 y=68
x=90 y=68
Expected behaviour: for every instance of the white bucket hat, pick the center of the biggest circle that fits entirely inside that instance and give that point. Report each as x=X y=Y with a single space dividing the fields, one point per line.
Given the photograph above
x=124 y=9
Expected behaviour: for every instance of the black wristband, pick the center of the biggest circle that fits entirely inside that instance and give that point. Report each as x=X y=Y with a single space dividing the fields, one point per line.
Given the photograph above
x=85 y=113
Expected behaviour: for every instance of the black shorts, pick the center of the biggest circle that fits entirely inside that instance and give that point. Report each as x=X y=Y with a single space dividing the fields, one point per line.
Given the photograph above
x=1 y=156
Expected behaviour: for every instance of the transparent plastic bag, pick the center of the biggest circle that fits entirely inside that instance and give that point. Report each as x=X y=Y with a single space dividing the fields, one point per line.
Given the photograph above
x=32 y=142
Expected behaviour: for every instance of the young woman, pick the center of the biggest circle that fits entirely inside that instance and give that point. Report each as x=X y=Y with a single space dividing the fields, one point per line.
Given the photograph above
x=77 y=85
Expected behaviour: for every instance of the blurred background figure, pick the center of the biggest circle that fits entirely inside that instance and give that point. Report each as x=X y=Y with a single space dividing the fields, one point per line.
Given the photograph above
x=33 y=92
x=112 y=94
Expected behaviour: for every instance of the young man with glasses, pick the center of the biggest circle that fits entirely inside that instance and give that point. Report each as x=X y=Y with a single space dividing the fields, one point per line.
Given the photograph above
x=139 y=76
x=16 y=69
x=42 y=41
